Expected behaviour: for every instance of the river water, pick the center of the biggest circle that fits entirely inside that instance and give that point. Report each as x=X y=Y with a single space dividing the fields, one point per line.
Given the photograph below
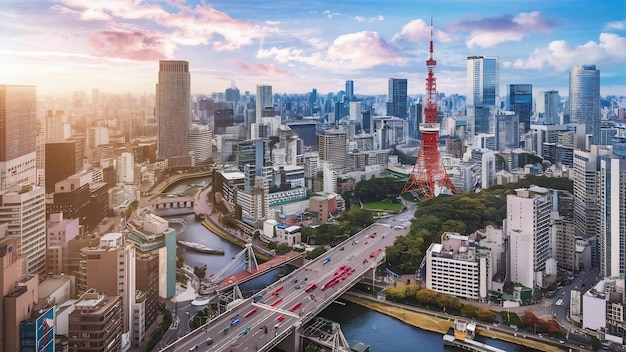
x=381 y=332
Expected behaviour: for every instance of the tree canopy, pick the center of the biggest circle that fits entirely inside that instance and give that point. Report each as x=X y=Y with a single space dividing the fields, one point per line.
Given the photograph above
x=378 y=188
x=464 y=213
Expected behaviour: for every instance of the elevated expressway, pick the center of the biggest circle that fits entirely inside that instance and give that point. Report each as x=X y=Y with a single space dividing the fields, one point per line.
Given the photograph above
x=276 y=316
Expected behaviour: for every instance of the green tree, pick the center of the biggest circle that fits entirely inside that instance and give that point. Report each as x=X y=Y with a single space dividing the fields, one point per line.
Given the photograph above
x=595 y=343
x=484 y=314
x=282 y=249
x=397 y=293
x=426 y=296
x=468 y=310
x=229 y=221
x=316 y=252
x=311 y=348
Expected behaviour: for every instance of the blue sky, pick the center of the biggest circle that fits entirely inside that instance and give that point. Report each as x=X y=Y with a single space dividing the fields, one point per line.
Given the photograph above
x=115 y=45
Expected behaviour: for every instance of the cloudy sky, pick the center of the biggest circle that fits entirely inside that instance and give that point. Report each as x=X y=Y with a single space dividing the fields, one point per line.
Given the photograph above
x=115 y=45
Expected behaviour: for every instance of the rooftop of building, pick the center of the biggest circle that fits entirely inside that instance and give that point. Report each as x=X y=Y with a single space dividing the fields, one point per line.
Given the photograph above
x=53 y=283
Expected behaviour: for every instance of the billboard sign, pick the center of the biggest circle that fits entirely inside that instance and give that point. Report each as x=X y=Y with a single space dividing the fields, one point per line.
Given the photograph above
x=45 y=331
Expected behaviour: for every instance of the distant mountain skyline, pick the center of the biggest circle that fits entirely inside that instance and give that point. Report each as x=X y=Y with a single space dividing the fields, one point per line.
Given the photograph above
x=66 y=45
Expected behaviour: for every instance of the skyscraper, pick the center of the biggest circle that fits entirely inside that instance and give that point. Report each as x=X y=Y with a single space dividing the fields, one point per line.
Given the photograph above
x=483 y=80
x=349 y=90
x=63 y=159
x=332 y=147
x=584 y=98
x=529 y=232
x=548 y=107
x=264 y=100
x=397 y=97
x=521 y=102
x=18 y=122
x=23 y=209
x=173 y=109
x=612 y=215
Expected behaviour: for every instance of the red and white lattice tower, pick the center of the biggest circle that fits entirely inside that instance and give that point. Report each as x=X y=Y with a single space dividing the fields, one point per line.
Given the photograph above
x=429 y=177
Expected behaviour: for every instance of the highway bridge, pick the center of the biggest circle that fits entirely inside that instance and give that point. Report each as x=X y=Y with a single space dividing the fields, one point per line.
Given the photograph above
x=280 y=315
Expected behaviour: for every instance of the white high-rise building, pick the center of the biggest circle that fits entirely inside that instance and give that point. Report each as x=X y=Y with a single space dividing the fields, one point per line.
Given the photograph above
x=584 y=98
x=173 y=113
x=458 y=267
x=612 y=216
x=201 y=144
x=529 y=233
x=548 y=107
x=586 y=168
x=488 y=163
x=99 y=136
x=125 y=168
x=264 y=99
x=356 y=111
x=23 y=208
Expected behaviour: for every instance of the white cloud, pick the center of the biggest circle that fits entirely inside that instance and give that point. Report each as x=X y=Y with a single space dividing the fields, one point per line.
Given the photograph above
x=418 y=31
x=560 y=55
x=364 y=50
x=616 y=25
x=488 y=32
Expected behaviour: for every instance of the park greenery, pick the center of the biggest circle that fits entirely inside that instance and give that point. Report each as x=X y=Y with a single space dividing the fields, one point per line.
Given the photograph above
x=464 y=213
x=346 y=225
x=378 y=188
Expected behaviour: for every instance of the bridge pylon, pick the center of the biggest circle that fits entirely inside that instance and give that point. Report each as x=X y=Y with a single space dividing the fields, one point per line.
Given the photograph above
x=249 y=262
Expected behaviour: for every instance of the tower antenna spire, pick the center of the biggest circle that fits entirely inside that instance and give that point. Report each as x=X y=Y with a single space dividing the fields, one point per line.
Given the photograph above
x=431 y=37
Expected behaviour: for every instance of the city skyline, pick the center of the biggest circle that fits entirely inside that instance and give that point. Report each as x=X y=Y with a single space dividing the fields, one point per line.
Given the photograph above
x=297 y=48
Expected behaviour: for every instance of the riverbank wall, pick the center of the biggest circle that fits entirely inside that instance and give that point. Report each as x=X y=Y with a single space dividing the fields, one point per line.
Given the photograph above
x=433 y=321
x=225 y=235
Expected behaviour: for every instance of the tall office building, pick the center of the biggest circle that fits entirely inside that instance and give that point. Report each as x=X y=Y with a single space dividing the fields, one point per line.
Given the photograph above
x=264 y=100
x=173 y=109
x=507 y=131
x=332 y=147
x=586 y=166
x=548 y=107
x=23 y=209
x=612 y=215
x=584 y=99
x=483 y=79
x=397 y=97
x=529 y=232
x=521 y=102
x=125 y=168
x=349 y=90
x=63 y=159
x=18 y=122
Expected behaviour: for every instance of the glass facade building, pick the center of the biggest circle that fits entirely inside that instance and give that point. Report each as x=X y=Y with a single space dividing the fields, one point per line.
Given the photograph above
x=584 y=98
x=483 y=79
x=521 y=102
x=397 y=97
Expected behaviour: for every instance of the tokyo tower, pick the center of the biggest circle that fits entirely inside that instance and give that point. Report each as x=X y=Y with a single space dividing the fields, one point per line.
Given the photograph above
x=429 y=177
